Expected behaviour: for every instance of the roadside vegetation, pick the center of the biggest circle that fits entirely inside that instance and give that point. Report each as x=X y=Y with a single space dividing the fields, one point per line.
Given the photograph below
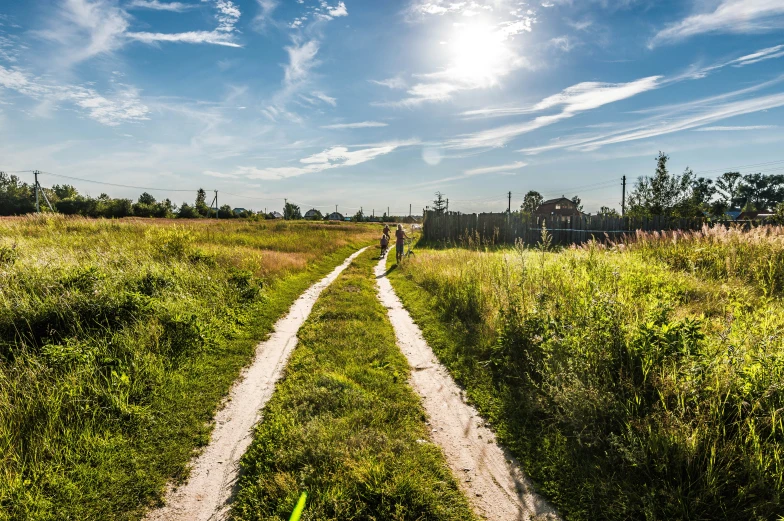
x=344 y=425
x=118 y=340
x=634 y=381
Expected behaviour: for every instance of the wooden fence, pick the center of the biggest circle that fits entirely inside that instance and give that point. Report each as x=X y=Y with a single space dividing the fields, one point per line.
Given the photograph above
x=503 y=228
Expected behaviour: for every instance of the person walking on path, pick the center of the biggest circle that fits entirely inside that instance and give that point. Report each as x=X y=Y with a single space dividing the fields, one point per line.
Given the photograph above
x=400 y=237
x=386 y=231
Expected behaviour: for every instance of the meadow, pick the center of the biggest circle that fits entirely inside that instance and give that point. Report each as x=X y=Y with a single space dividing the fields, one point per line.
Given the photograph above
x=640 y=380
x=118 y=340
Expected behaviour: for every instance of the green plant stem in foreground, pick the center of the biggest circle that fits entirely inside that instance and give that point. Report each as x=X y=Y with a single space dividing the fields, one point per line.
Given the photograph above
x=345 y=426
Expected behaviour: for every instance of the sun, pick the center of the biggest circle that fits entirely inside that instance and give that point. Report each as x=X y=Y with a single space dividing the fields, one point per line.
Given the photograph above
x=478 y=54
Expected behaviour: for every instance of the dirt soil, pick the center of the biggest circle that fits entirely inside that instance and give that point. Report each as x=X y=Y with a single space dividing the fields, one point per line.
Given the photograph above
x=492 y=479
x=213 y=474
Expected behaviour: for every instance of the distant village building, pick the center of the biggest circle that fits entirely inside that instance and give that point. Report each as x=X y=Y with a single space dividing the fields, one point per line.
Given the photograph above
x=276 y=215
x=561 y=206
x=335 y=216
x=312 y=214
x=239 y=211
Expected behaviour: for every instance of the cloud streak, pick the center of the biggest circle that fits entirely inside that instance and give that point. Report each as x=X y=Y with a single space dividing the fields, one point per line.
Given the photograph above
x=360 y=124
x=730 y=16
x=157 y=5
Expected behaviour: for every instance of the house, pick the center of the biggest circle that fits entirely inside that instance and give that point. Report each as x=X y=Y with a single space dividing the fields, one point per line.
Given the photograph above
x=239 y=211
x=313 y=214
x=276 y=215
x=335 y=216
x=560 y=206
x=754 y=215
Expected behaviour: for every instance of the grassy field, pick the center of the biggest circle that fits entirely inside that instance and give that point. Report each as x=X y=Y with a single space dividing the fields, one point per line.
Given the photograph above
x=345 y=426
x=118 y=340
x=635 y=381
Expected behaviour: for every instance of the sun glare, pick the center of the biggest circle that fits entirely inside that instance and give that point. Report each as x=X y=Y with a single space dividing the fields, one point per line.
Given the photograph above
x=478 y=54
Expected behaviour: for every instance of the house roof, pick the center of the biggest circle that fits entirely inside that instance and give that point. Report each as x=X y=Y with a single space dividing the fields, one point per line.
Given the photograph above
x=312 y=211
x=562 y=198
x=277 y=215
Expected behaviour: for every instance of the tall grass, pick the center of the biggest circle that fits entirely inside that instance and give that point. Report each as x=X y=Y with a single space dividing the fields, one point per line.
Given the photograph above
x=637 y=381
x=118 y=340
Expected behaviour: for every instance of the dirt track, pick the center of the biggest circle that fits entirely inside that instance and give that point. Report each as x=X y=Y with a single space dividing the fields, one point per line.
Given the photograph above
x=493 y=481
x=214 y=472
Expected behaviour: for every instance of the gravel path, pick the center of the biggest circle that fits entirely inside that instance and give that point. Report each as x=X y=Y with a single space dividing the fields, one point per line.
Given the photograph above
x=207 y=494
x=493 y=481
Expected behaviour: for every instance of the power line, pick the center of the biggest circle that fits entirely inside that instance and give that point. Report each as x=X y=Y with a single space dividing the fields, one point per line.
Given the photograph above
x=117 y=184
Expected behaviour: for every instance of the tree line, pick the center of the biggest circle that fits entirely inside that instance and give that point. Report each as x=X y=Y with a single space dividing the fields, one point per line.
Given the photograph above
x=688 y=195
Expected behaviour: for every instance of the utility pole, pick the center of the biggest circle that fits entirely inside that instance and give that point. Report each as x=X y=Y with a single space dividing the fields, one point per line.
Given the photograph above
x=37 y=206
x=215 y=202
x=409 y=209
x=387 y=212
x=447 y=204
x=509 y=205
x=623 y=198
x=285 y=208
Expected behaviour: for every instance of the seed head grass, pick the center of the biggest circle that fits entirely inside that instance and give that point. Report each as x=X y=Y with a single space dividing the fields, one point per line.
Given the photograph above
x=639 y=380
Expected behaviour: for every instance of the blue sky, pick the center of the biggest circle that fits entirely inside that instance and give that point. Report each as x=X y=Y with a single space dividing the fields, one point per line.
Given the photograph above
x=380 y=103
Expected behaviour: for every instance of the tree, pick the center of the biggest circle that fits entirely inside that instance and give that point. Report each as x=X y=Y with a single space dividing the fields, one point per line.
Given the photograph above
x=64 y=191
x=201 y=204
x=761 y=191
x=291 y=211
x=146 y=198
x=531 y=202
x=727 y=186
x=439 y=203
x=225 y=212
x=577 y=203
x=16 y=197
x=358 y=217
x=662 y=194
x=608 y=212
x=187 y=211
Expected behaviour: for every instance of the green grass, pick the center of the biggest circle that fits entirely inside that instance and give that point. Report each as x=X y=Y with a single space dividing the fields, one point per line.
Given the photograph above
x=345 y=426
x=118 y=340
x=633 y=382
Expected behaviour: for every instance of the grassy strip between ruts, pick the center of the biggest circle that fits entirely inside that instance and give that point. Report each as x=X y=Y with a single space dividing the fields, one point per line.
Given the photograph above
x=94 y=471
x=344 y=424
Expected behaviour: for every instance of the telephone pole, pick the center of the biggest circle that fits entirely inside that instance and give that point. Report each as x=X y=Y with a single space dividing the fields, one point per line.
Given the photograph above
x=623 y=198
x=509 y=206
x=447 y=204
x=409 y=209
x=215 y=203
x=37 y=206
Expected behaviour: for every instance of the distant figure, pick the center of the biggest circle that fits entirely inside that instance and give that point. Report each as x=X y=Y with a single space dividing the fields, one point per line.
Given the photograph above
x=386 y=231
x=384 y=244
x=400 y=237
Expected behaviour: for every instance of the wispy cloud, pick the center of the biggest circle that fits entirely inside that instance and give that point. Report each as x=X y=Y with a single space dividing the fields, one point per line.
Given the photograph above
x=495 y=169
x=360 y=124
x=698 y=114
x=572 y=100
x=734 y=129
x=396 y=82
x=123 y=106
x=302 y=58
x=730 y=16
x=334 y=157
x=157 y=5
x=227 y=16
x=264 y=15
x=329 y=100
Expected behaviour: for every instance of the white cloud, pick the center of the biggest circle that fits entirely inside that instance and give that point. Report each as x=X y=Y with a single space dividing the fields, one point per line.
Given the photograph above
x=83 y=29
x=698 y=114
x=761 y=55
x=361 y=124
x=266 y=8
x=733 y=129
x=730 y=16
x=121 y=107
x=495 y=169
x=157 y=5
x=326 y=99
x=396 y=82
x=220 y=175
x=338 y=10
x=573 y=100
x=302 y=58
x=211 y=37
x=334 y=157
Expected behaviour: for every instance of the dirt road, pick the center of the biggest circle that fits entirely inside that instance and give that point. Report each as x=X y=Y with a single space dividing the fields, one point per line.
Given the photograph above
x=493 y=481
x=214 y=472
